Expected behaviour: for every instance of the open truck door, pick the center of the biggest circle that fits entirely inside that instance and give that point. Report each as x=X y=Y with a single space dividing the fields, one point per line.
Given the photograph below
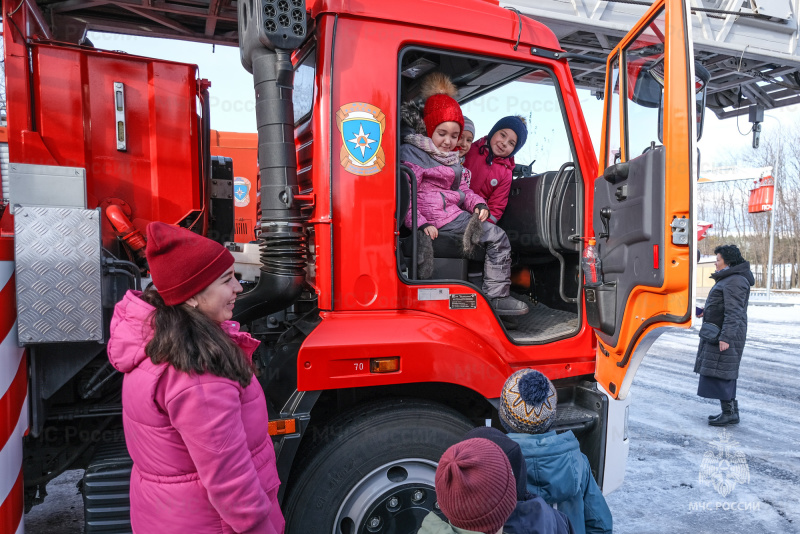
x=642 y=204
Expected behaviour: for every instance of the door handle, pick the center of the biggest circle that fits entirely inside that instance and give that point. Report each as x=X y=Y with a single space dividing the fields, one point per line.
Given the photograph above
x=605 y=216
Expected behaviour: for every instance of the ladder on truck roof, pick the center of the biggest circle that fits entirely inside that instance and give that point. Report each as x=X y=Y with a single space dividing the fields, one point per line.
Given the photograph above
x=748 y=46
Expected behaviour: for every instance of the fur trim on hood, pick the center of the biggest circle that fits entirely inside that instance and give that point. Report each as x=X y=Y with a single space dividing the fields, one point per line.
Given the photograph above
x=411 y=114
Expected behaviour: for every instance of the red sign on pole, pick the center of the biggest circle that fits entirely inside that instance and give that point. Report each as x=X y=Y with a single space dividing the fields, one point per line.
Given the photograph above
x=702 y=228
x=762 y=195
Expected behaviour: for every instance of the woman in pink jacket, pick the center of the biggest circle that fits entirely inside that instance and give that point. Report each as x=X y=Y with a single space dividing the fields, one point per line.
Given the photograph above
x=195 y=418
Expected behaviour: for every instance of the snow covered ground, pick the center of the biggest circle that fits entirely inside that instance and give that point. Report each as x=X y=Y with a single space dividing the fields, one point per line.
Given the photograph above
x=670 y=437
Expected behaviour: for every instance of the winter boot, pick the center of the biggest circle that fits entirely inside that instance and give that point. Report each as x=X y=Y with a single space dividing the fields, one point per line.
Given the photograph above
x=712 y=417
x=425 y=262
x=509 y=306
x=729 y=414
x=735 y=410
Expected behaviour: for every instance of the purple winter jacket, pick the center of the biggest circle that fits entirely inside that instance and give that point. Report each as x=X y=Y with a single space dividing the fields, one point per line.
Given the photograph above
x=203 y=461
x=439 y=198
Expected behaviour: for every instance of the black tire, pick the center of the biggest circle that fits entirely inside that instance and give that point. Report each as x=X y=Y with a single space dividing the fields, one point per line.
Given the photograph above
x=372 y=465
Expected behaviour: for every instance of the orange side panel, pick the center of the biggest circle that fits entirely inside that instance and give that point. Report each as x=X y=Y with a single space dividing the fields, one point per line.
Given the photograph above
x=243 y=149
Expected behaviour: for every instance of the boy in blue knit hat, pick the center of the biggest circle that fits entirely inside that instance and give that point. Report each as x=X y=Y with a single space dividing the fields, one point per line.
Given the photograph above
x=558 y=471
x=491 y=162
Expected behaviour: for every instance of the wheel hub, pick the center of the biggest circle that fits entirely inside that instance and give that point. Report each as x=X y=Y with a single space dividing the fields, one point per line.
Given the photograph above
x=393 y=499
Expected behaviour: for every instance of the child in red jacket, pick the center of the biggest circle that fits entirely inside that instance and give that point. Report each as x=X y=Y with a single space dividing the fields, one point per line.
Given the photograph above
x=491 y=161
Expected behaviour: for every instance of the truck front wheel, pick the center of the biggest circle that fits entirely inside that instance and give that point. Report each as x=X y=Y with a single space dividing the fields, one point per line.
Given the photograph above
x=372 y=470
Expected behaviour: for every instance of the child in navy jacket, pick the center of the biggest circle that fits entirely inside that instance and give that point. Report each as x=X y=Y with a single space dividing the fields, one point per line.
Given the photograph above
x=557 y=469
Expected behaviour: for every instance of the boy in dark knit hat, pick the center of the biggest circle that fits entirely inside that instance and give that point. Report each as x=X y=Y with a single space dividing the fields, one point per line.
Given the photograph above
x=491 y=162
x=532 y=514
x=475 y=490
x=557 y=469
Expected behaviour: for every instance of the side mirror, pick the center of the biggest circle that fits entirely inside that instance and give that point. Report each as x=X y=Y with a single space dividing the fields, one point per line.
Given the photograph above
x=701 y=79
x=646 y=82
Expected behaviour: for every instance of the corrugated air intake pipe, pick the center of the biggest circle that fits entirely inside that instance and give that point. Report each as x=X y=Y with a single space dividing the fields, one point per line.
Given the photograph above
x=268 y=32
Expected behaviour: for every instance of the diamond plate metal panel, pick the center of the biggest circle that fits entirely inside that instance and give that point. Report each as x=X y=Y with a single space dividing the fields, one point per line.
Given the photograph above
x=59 y=275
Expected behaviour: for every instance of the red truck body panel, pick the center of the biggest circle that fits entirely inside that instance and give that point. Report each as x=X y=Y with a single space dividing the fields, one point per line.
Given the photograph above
x=74 y=125
x=373 y=312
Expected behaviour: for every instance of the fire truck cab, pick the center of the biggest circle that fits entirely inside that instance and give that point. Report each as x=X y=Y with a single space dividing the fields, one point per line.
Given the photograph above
x=439 y=339
x=370 y=372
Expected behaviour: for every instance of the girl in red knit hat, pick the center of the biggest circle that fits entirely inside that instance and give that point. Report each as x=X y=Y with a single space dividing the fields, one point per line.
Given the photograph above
x=194 y=416
x=444 y=198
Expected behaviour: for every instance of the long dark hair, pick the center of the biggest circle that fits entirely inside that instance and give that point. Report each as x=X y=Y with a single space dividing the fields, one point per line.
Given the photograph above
x=191 y=342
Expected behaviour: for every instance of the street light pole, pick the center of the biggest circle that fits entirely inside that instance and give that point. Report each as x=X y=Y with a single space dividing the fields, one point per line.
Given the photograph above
x=772 y=222
x=772 y=234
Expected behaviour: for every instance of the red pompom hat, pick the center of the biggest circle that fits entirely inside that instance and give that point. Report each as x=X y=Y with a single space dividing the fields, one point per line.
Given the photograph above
x=475 y=486
x=183 y=263
x=441 y=108
x=440 y=105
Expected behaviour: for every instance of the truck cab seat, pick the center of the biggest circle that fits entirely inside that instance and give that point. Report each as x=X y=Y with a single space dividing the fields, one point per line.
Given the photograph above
x=449 y=261
x=526 y=220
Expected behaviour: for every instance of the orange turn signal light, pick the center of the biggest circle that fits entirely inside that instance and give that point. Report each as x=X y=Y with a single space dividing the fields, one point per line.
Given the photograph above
x=384 y=365
x=282 y=426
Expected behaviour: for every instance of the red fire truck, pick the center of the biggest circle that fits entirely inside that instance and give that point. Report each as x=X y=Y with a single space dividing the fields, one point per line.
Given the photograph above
x=369 y=372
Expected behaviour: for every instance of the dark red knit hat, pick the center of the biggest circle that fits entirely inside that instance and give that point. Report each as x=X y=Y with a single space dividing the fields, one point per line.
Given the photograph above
x=441 y=108
x=475 y=486
x=183 y=263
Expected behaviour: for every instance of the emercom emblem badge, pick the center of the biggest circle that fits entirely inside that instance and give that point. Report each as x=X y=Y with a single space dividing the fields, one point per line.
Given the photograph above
x=362 y=126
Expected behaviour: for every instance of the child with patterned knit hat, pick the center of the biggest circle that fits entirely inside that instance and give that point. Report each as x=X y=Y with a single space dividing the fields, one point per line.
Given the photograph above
x=491 y=161
x=445 y=201
x=475 y=490
x=557 y=469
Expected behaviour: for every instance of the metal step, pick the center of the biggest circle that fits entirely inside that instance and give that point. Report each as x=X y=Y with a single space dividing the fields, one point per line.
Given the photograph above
x=575 y=418
x=106 y=491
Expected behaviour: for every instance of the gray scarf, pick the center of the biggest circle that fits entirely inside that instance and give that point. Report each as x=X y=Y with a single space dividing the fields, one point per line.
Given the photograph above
x=425 y=144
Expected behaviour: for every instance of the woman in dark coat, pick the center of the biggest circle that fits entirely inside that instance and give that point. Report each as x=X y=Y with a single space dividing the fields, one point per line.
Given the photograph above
x=726 y=307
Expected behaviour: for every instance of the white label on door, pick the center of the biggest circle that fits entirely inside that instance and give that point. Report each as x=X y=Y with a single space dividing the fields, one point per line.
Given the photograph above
x=436 y=293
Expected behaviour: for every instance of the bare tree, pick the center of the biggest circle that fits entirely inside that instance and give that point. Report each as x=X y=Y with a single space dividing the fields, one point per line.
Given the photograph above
x=725 y=205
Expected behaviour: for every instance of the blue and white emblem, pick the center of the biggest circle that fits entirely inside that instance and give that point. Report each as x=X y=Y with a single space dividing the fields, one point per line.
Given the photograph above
x=362 y=137
x=362 y=127
x=241 y=192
